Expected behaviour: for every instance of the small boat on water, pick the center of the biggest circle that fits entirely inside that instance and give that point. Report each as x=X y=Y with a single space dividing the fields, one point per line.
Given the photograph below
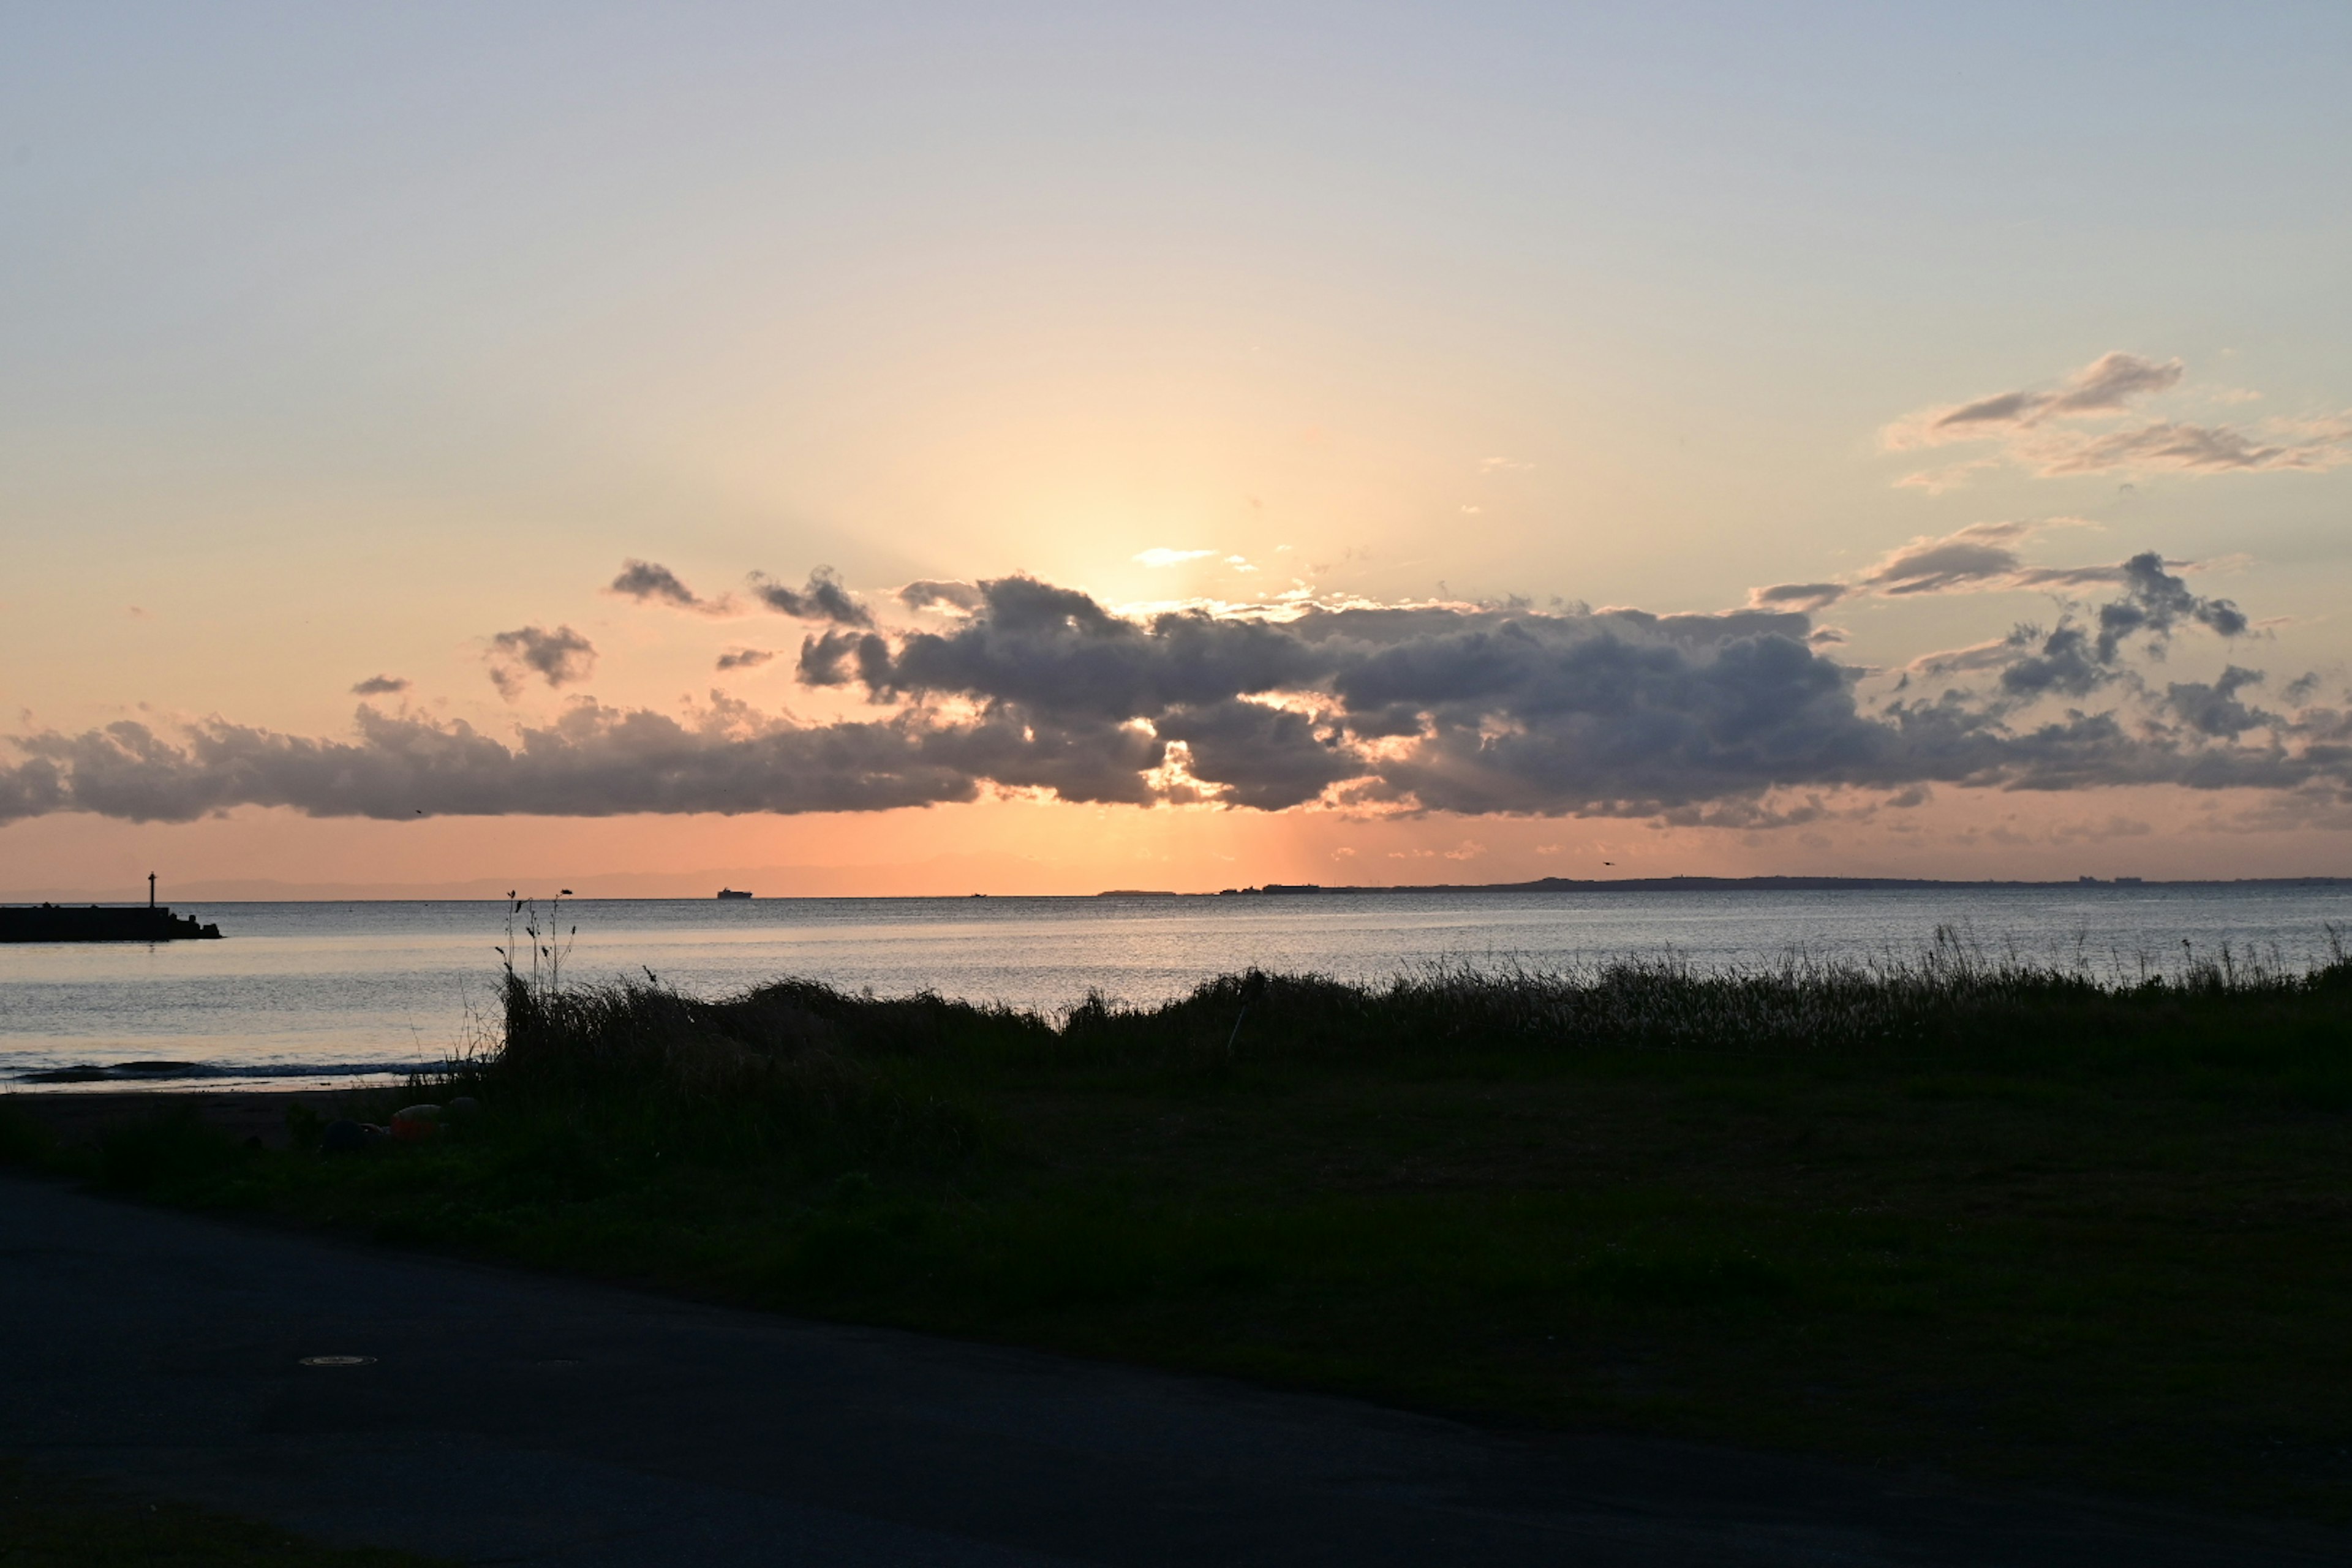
x=731 y=893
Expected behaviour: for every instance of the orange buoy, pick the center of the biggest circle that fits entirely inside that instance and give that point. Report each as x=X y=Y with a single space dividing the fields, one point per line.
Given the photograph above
x=416 y=1123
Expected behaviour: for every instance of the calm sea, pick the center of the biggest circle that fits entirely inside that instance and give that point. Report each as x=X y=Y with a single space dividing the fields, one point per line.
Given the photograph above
x=299 y=993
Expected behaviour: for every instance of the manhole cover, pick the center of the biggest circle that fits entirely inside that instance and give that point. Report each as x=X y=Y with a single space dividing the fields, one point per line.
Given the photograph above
x=339 y=1361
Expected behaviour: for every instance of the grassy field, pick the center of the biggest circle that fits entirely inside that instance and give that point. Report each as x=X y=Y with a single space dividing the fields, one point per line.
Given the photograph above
x=2008 y=1222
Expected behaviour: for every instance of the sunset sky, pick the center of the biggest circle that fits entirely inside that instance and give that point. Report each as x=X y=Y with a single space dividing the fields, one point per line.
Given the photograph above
x=920 y=448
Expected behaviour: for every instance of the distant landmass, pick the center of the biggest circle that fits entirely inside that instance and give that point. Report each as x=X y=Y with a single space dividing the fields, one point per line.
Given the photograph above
x=1765 y=885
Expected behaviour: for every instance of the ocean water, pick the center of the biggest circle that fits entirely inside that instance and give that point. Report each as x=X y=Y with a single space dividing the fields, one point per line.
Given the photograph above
x=304 y=992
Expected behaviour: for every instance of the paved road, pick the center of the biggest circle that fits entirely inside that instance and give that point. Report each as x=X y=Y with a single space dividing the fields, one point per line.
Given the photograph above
x=508 y=1417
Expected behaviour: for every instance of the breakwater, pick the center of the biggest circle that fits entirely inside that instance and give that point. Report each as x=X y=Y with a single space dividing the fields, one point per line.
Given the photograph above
x=95 y=922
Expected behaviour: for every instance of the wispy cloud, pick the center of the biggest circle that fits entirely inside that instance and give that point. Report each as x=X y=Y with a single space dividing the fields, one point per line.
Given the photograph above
x=1982 y=557
x=2069 y=429
x=1160 y=555
x=745 y=658
x=1802 y=598
x=380 y=686
x=2206 y=448
x=1978 y=554
x=2106 y=386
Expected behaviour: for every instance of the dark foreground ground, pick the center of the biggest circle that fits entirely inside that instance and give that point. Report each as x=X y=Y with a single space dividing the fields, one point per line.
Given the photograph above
x=80 y=1118
x=507 y=1417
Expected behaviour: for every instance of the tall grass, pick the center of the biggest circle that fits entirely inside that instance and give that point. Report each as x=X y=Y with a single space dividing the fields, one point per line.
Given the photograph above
x=795 y=1067
x=823 y=1053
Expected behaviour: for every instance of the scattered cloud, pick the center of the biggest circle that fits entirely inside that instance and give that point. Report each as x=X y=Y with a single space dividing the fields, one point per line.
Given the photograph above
x=745 y=658
x=822 y=599
x=1160 y=555
x=650 y=583
x=2214 y=709
x=2069 y=429
x=2080 y=657
x=380 y=686
x=559 y=657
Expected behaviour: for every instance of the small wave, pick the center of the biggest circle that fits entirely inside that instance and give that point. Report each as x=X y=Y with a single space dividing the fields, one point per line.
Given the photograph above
x=169 y=1072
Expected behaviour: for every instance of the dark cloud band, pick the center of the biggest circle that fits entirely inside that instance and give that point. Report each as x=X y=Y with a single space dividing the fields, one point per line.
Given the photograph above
x=1439 y=708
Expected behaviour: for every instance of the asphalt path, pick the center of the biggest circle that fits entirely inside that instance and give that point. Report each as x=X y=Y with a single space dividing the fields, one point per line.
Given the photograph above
x=505 y=1416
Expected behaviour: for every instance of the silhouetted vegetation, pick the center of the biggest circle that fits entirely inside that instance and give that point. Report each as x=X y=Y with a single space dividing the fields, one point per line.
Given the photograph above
x=800 y=1040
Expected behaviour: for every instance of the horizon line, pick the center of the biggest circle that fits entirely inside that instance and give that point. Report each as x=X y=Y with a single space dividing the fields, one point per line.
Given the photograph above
x=1769 y=882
